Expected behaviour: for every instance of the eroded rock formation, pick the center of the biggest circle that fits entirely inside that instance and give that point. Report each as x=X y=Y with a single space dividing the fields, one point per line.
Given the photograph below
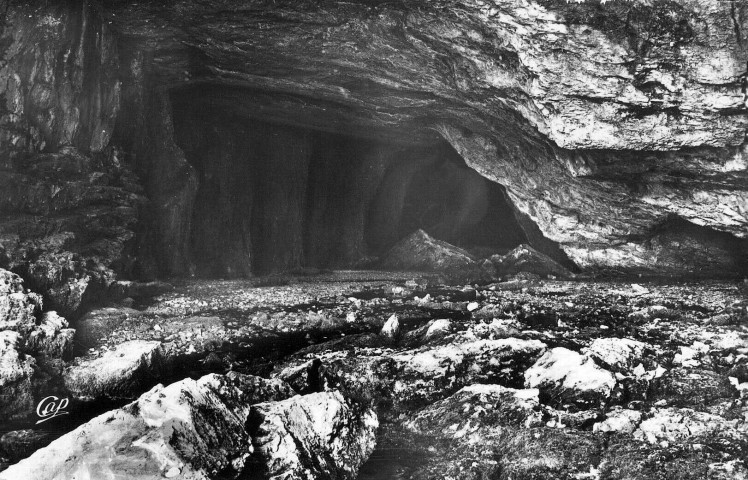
x=616 y=132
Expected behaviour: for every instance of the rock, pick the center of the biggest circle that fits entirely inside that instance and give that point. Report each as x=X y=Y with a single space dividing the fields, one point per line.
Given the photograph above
x=52 y=338
x=320 y=435
x=416 y=377
x=564 y=376
x=192 y=428
x=619 y=420
x=618 y=354
x=16 y=371
x=122 y=372
x=391 y=329
x=438 y=329
x=525 y=259
x=692 y=387
x=685 y=425
x=476 y=407
x=18 y=308
x=421 y=252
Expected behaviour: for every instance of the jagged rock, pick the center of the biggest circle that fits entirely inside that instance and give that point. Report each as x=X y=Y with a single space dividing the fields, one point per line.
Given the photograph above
x=16 y=371
x=618 y=354
x=122 y=372
x=475 y=407
x=416 y=377
x=189 y=429
x=525 y=259
x=18 y=308
x=564 y=376
x=619 y=420
x=51 y=338
x=320 y=435
x=391 y=329
x=422 y=252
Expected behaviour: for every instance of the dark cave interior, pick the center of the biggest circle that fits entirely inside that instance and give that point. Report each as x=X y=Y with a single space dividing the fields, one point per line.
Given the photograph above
x=275 y=197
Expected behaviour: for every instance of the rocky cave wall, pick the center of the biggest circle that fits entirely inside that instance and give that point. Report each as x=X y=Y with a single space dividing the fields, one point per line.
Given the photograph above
x=275 y=197
x=617 y=129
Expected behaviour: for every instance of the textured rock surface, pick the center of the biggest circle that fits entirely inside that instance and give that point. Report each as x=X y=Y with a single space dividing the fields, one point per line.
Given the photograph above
x=526 y=259
x=320 y=435
x=18 y=308
x=16 y=371
x=617 y=129
x=566 y=377
x=411 y=378
x=421 y=252
x=118 y=373
x=189 y=429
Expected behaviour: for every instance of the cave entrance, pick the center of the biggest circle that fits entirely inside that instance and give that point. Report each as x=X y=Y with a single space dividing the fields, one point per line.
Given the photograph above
x=274 y=197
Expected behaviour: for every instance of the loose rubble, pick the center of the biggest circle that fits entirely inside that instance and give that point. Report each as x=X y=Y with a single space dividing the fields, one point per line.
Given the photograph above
x=507 y=379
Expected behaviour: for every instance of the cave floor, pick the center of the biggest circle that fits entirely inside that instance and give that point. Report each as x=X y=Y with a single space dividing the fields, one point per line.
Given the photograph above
x=678 y=352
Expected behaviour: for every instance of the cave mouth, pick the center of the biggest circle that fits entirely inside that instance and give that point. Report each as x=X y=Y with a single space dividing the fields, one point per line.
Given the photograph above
x=274 y=197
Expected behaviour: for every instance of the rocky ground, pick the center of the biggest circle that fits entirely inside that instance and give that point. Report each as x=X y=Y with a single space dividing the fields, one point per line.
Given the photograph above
x=528 y=378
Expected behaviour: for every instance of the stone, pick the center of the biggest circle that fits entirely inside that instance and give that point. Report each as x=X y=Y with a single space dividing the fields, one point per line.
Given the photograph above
x=416 y=377
x=619 y=420
x=675 y=425
x=525 y=259
x=194 y=428
x=320 y=435
x=16 y=372
x=122 y=372
x=567 y=377
x=437 y=329
x=618 y=354
x=477 y=407
x=18 y=309
x=391 y=329
x=422 y=252
x=51 y=338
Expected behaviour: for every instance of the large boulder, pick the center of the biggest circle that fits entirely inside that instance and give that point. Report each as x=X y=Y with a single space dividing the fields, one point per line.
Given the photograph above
x=565 y=377
x=122 y=372
x=192 y=429
x=316 y=436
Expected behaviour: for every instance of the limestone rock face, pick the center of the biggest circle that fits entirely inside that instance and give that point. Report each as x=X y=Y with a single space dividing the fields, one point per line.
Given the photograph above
x=60 y=74
x=189 y=429
x=320 y=435
x=617 y=130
